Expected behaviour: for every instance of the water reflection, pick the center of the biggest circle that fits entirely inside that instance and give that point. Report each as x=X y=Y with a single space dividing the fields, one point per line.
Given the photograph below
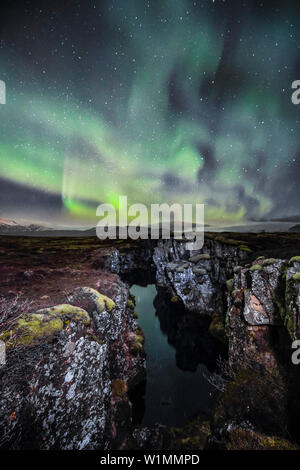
x=179 y=350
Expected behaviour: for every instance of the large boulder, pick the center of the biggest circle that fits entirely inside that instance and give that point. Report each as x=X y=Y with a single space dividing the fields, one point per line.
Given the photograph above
x=68 y=371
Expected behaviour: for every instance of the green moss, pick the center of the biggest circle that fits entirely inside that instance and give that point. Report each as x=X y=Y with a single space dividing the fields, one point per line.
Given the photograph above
x=30 y=328
x=97 y=340
x=230 y=285
x=119 y=388
x=241 y=439
x=136 y=315
x=102 y=301
x=269 y=261
x=140 y=339
x=136 y=348
x=256 y=267
x=295 y=258
x=130 y=304
x=229 y=241
x=296 y=277
x=245 y=248
x=137 y=344
x=193 y=436
x=199 y=257
x=67 y=312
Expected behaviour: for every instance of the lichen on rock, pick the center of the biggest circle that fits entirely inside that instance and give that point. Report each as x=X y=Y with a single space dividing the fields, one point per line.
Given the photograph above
x=30 y=328
x=256 y=267
x=296 y=277
x=102 y=302
x=62 y=394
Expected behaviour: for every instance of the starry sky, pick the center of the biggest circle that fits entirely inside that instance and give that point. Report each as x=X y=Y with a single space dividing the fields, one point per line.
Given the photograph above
x=163 y=101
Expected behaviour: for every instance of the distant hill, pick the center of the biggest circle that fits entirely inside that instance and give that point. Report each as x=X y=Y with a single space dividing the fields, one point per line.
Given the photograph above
x=11 y=227
x=295 y=228
x=21 y=228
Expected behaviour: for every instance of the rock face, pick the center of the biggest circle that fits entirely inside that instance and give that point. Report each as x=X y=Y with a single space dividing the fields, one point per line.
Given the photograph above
x=263 y=307
x=254 y=412
x=68 y=372
x=128 y=260
x=197 y=278
x=291 y=302
x=188 y=333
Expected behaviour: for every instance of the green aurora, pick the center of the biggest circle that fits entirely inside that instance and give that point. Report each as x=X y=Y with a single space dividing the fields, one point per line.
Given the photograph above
x=161 y=112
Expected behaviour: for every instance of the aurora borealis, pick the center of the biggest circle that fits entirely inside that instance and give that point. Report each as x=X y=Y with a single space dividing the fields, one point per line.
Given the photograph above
x=172 y=101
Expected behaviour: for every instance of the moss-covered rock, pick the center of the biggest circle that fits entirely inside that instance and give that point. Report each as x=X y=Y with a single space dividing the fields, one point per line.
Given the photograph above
x=296 y=277
x=245 y=248
x=103 y=302
x=230 y=285
x=136 y=343
x=193 y=436
x=140 y=339
x=130 y=304
x=67 y=312
x=30 y=328
x=136 y=348
x=295 y=258
x=199 y=257
x=87 y=296
x=268 y=261
x=119 y=388
x=242 y=439
x=256 y=267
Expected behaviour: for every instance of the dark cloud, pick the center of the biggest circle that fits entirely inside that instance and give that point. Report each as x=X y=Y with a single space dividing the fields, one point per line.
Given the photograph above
x=20 y=200
x=207 y=171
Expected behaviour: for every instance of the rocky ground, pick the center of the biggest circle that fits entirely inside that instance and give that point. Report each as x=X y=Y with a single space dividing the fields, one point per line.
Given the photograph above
x=75 y=351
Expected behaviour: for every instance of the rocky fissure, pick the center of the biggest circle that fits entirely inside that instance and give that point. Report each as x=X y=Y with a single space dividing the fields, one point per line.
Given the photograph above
x=256 y=304
x=71 y=369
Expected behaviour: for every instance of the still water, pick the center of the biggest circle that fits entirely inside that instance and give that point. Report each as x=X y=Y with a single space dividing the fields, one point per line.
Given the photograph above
x=172 y=395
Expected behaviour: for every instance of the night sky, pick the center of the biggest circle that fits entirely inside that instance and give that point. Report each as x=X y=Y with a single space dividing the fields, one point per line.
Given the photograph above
x=162 y=101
